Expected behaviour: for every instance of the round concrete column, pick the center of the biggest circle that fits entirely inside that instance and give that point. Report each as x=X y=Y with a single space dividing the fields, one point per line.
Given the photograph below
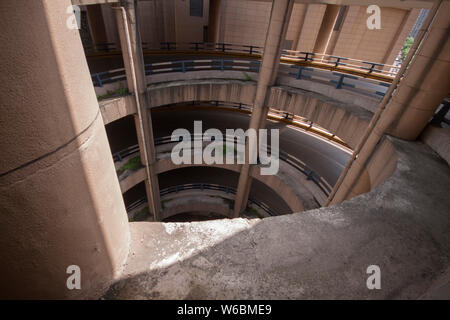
x=97 y=24
x=60 y=200
x=326 y=28
x=426 y=82
x=214 y=20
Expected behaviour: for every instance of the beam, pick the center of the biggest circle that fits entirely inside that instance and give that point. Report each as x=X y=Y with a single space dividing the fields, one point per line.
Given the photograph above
x=276 y=32
x=130 y=42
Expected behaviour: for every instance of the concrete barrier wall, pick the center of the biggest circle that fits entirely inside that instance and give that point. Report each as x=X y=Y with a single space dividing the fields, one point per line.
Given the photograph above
x=348 y=122
x=294 y=199
x=437 y=139
x=116 y=108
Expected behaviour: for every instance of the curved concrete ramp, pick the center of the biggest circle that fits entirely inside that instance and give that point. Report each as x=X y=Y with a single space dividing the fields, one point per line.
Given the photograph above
x=322 y=253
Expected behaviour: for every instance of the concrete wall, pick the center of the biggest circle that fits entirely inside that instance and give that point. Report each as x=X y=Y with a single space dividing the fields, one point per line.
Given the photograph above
x=437 y=139
x=245 y=22
x=398 y=227
x=60 y=200
x=356 y=41
x=348 y=122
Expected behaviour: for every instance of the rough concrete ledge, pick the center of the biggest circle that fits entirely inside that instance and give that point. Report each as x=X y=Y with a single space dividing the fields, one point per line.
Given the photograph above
x=401 y=226
x=438 y=139
x=347 y=121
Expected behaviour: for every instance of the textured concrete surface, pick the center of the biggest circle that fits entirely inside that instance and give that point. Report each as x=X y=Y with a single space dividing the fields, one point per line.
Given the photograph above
x=402 y=226
x=438 y=139
x=60 y=202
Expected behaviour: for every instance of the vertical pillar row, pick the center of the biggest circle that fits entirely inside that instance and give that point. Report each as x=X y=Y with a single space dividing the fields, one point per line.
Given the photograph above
x=276 y=32
x=326 y=28
x=143 y=120
x=97 y=24
x=419 y=93
x=60 y=199
x=214 y=20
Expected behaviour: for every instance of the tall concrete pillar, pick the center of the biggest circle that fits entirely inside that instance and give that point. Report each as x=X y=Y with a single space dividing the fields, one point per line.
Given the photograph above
x=337 y=27
x=136 y=77
x=326 y=28
x=299 y=29
x=96 y=23
x=214 y=20
x=397 y=34
x=276 y=33
x=60 y=200
x=418 y=94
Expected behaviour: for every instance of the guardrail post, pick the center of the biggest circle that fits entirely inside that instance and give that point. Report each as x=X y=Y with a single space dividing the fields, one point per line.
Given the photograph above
x=149 y=70
x=307 y=58
x=99 y=81
x=340 y=82
x=299 y=73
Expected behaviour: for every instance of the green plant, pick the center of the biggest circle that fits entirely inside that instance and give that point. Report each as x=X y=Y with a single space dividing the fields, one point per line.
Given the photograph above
x=132 y=164
x=406 y=47
x=121 y=91
x=247 y=77
x=141 y=215
x=253 y=212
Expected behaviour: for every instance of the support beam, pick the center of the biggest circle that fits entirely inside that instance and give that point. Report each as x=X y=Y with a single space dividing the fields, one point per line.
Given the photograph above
x=326 y=28
x=276 y=32
x=406 y=111
x=60 y=199
x=96 y=24
x=299 y=29
x=135 y=71
x=214 y=20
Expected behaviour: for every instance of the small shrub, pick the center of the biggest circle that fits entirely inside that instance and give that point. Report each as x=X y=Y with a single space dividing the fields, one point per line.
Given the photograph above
x=132 y=164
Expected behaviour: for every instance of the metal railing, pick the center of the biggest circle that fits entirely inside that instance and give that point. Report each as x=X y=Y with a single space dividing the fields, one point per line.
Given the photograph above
x=338 y=79
x=441 y=114
x=214 y=187
x=363 y=67
x=136 y=204
x=331 y=61
x=273 y=114
x=200 y=186
x=120 y=155
x=284 y=156
x=100 y=47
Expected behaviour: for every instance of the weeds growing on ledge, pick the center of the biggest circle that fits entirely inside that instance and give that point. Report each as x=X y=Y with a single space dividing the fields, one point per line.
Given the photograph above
x=132 y=164
x=121 y=91
x=141 y=215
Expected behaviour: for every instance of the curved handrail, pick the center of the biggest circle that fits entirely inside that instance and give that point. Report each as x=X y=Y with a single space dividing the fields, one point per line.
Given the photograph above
x=284 y=156
x=215 y=187
x=337 y=77
x=376 y=70
x=199 y=186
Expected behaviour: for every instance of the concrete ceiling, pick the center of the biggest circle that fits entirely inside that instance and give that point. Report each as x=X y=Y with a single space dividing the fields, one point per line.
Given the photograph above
x=427 y=4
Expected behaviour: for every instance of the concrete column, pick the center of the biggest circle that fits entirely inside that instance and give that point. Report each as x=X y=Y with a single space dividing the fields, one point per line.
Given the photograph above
x=96 y=23
x=214 y=20
x=298 y=31
x=276 y=32
x=426 y=83
x=418 y=94
x=60 y=199
x=343 y=10
x=169 y=19
x=143 y=120
x=397 y=34
x=326 y=28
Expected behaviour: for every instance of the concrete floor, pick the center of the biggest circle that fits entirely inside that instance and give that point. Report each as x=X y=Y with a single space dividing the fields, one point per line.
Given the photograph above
x=403 y=226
